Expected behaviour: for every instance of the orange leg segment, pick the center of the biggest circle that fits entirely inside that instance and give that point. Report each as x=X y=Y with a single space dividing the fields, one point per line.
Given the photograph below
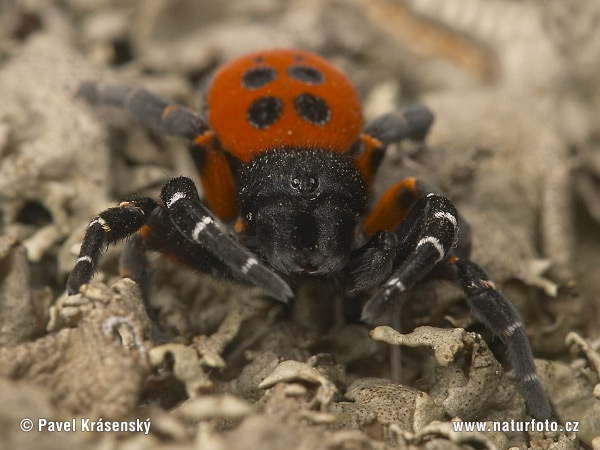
x=392 y=207
x=368 y=162
x=215 y=174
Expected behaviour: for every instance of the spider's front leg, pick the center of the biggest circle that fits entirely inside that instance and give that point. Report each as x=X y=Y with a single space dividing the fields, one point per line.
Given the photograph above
x=196 y=223
x=109 y=227
x=400 y=258
x=182 y=228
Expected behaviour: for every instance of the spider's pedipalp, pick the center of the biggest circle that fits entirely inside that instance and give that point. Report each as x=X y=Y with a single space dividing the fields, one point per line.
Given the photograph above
x=380 y=252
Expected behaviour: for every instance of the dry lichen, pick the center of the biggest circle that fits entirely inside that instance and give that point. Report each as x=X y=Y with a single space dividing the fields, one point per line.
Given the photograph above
x=46 y=164
x=19 y=317
x=481 y=392
x=212 y=407
x=592 y=356
x=124 y=294
x=446 y=344
x=186 y=366
x=96 y=368
x=290 y=371
x=84 y=368
x=572 y=397
x=374 y=405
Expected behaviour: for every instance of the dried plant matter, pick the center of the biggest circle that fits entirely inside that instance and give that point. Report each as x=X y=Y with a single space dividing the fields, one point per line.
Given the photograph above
x=19 y=321
x=87 y=369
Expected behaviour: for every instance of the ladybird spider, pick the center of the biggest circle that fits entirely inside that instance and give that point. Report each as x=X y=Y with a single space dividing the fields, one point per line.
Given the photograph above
x=285 y=161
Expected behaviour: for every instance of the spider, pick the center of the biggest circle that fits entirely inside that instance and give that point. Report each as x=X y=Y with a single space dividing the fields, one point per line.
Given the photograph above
x=288 y=165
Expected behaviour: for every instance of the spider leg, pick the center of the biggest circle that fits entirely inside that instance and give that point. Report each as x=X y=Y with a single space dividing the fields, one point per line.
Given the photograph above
x=394 y=204
x=418 y=246
x=409 y=123
x=134 y=264
x=373 y=263
x=109 y=227
x=167 y=118
x=499 y=315
x=183 y=229
x=196 y=223
x=159 y=114
x=423 y=239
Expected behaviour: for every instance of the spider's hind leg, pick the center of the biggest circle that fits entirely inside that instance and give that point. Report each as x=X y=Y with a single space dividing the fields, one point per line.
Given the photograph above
x=155 y=112
x=412 y=122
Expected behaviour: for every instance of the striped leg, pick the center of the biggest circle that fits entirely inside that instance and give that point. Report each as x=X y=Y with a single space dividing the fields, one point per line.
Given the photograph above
x=393 y=206
x=153 y=111
x=422 y=240
x=195 y=222
x=498 y=314
x=109 y=227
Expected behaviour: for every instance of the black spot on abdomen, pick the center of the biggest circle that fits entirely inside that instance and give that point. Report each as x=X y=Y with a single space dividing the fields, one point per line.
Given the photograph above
x=264 y=111
x=306 y=74
x=258 y=77
x=313 y=109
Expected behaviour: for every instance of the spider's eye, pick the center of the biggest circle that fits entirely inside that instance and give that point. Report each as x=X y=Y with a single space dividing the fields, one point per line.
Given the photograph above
x=308 y=184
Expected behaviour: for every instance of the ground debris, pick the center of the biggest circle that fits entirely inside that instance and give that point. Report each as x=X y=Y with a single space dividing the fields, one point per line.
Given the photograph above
x=97 y=364
x=480 y=391
x=23 y=399
x=44 y=165
x=123 y=294
x=187 y=367
x=211 y=347
x=572 y=397
x=86 y=370
x=20 y=319
x=592 y=356
x=445 y=343
x=290 y=371
x=374 y=405
x=213 y=406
